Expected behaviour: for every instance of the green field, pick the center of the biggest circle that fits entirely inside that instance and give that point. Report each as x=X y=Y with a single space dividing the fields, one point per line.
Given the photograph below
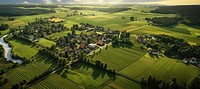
x=123 y=83
x=23 y=49
x=162 y=68
x=87 y=76
x=119 y=58
x=55 y=81
x=45 y=43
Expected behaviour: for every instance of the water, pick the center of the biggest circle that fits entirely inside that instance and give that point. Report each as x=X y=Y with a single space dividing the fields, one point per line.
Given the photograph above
x=8 y=51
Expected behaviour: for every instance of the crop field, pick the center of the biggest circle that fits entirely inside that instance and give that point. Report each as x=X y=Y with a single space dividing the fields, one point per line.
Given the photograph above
x=161 y=68
x=55 y=81
x=119 y=57
x=122 y=83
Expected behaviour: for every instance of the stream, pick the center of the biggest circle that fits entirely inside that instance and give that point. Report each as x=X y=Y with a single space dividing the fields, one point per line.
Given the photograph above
x=8 y=51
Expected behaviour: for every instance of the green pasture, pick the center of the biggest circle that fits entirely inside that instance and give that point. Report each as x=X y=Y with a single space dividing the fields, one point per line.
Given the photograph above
x=23 y=49
x=87 y=76
x=118 y=58
x=45 y=43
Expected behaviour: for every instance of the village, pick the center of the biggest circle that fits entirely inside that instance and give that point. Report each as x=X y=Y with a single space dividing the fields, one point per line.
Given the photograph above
x=72 y=43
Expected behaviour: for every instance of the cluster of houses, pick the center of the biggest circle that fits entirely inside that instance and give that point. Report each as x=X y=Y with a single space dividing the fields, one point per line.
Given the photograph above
x=144 y=39
x=74 y=43
x=192 y=60
x=40 y=28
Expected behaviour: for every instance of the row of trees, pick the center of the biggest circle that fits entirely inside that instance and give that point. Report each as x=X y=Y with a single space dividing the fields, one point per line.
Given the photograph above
x=59 y=60
x=153 y=83
x=162 y=21
x=109 y=10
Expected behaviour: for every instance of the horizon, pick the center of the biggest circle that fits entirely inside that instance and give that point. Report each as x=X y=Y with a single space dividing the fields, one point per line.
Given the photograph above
x=102 y=2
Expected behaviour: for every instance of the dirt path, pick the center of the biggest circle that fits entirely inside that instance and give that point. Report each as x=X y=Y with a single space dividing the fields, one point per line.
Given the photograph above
x=135 y=29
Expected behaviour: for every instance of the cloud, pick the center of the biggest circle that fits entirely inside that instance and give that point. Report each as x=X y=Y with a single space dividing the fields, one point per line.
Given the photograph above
x=47 y=1
x=59 y=0
x=26 y=2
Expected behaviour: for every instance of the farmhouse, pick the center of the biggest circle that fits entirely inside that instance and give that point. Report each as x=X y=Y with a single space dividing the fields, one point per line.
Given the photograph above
x=91 y=46
x=100 y=43
x=152 y=51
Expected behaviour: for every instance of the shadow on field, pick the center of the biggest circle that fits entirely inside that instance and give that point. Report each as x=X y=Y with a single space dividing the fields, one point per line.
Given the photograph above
x=154 y=56
x=96 y=72
x=122 y=45
x=43 y=58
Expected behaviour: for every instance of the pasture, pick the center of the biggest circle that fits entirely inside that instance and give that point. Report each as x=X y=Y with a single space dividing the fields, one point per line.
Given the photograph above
x=118 y=58
x=45 y=43
x=87 y=76
x=23 y=49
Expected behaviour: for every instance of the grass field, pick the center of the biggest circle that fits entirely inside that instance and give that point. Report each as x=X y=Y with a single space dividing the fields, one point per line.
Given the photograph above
x=162 y=68
x=23 y=49
x=46 y=43
x=87 y=76
x=118 y=58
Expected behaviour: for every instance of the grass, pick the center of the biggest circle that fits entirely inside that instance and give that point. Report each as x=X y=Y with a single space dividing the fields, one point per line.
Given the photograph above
x=57 y=35
x=46 y=43
x=162 y=68
x=23 y=49
x=122 y=83
x=118 y=58
x=55 y=81
x=87 y=76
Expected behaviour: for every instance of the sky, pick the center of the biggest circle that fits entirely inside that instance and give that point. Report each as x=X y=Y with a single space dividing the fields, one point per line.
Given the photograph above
x=164 y=2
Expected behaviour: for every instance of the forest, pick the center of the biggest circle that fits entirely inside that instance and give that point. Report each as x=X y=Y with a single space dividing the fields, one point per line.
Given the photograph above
x=189 y=14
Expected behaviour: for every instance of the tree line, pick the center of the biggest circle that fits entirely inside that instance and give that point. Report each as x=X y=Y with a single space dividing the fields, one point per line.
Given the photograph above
x=189 y=14
x=13 y=11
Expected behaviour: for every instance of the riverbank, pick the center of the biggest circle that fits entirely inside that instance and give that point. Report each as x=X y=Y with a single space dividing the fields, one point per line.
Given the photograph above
x=8 y=51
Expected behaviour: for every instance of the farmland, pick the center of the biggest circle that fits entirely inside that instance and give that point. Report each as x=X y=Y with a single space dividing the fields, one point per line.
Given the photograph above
x=61 y=48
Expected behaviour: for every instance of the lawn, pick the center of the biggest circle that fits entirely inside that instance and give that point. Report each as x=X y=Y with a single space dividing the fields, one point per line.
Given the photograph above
x=118 y=58
x=23 y=49
x=46 y=43
x=162 y=68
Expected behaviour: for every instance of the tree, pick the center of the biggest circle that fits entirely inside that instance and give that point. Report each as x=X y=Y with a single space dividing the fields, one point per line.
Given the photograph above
x=132 y=18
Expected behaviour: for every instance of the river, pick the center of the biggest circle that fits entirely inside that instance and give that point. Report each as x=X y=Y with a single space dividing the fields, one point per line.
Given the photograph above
x=8 y=51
